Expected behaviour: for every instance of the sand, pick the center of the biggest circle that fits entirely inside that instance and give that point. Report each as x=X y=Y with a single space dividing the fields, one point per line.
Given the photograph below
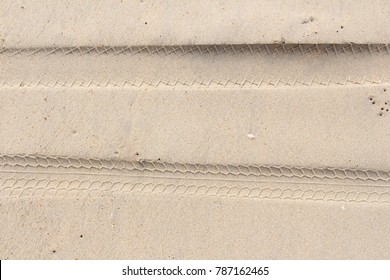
x=56 y=23
x=223 y=130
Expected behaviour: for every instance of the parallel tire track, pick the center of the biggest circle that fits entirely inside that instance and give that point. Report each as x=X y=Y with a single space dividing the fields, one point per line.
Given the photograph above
x=19 y=179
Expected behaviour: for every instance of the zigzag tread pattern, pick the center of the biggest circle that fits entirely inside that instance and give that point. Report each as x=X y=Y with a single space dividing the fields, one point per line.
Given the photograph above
x=43 y=188
x=46 y=162
x=201 y=82
x=300 y=49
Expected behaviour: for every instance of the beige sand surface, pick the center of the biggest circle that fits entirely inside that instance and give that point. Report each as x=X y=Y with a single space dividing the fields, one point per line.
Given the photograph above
x=219 y=129
x=338 y=127
x=26 y=24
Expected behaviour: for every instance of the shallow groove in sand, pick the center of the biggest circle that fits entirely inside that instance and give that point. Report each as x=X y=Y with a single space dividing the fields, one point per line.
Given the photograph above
x=43 y=176
x=195 y=66
x=302 y=49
